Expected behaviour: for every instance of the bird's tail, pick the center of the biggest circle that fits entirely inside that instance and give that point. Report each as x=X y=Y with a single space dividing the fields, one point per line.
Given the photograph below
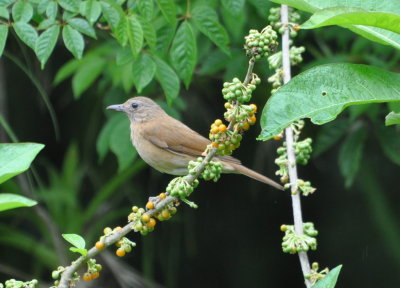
x=239 y=168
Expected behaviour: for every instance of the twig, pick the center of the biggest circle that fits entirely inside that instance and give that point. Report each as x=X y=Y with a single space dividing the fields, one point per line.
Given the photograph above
x=292 y=168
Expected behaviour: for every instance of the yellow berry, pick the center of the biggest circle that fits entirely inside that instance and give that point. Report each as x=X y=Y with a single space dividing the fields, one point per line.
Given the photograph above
x=214 y=144
x=165 y=214
x=120 y=252
x=254 y=106
x=277 y=137
x=118 y=228
x=252 y=120
x=87 y=277
x=214 y=130
x=152 y=223
x=95 y=275
x=222 y=128
x=99 y=245
x=107 y=230
x=145 y=218
x=162 y=195
x=218 y=122
x=150 y=205
x=283 y=228
x=227 y=105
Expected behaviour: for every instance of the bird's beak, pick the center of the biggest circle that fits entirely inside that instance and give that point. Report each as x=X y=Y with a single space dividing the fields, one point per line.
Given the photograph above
x=118 y=107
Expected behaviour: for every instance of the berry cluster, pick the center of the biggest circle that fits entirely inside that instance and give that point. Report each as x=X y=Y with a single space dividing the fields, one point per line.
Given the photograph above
x=179 y=187
x=143 y=222
x=303 y=151
x=259 y=44
x=275 y=19
x=295 y=55
x=12 y=283
x=304 y=186
x=293 y=243
x=212 y=171
x=93 y=271
x=238 y=91
x=224 y=140
x=314 y=275
x=56 y=275
x=276 y=79
x=124 y=246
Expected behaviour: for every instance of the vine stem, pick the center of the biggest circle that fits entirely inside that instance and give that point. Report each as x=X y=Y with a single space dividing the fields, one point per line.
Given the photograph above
x=292 y=168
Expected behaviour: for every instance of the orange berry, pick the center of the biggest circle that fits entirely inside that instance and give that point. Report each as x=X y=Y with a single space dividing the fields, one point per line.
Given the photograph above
x=99 y=245
x=296 y=27
x=277 y=137
x=218 y=122
x=245 y=126
x=213 y=126
x=254 y=106
x=95 y=275
x=87 y=277
x=152 y=223
x=145 y=218
x=120 y=252
x=214 y=144
x=162 y=195
x=222 y=128
x=252 y=120
x=214 y=130
x=150 y=205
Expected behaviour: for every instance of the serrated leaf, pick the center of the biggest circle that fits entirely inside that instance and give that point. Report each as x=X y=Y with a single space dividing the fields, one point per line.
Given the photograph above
x=92 y=11
x=26 y=33
x=146 y=8
x=233 y=6
x=168 y=9
x=83 y=252
x=168 y=79
x=45 y=24
x=10 y=201
x=329 y=281
x=206 y=20
x=350 y=155
x=328 y=135
x=149 y=33
x=392 y=118
x=16 y=158
x=4 y=13
x=86 y=75
x=82 y=26
x=3 y=37
x=184 y=52
x=389 y=139
x=73 y=40
x=45 y=44
x=319 y=94
x=22 y=11
x=52 y=10
x=75 y=239
x=135 y=34
x=143 y=71
x=70 y=5
x=111 y=14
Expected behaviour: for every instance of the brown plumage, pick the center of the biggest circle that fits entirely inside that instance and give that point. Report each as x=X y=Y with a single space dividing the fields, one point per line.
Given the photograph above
x=168 y=145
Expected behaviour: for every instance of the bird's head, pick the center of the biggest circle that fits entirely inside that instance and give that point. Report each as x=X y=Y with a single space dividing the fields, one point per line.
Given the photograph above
x=139 y=109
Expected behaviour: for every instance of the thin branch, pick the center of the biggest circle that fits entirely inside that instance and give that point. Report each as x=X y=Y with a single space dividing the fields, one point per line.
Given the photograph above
x=292 y=168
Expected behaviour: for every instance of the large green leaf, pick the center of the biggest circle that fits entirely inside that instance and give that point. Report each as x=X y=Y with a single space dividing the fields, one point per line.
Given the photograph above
x=92 y=11
x=206 y=20
x=149 y=33
x=52 y=10
x=16 y=158
x=22 y=11
x=373 y=33
x=4 y=13
x=3 y=37
x=143 y=71
x=168 y=79
x=184 y=52
x=233 y=6
x=321 y=93
x=135 y=34
x=45 y=44
x=329 y=281
x=168 y=9
x=82 y=26
x=26 y=33
x=146 y=8
x=70 y=5
x=112 y=13
x=10 y=201
x=86 y=75
x=73 y=40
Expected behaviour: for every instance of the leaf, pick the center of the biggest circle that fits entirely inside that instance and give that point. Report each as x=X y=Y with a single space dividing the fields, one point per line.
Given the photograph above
x=10 y=201
x=121 y=33
x=83 y=252
x=66 y=70
x=26 y=33
x=45 y=44
x=233 y=6
x=22 y=11
x=82 y=26
x=3 y=37
x=372 y=33
x=206 y=20
x=75 y=239
x=16 y=158
x=73 y=40
x=146 y=9
x=92 y=11
x=184 y=52
x=168 y=79
x=41 y=8
x=124 y=56
x=392 y=118
x=214 y=62
x=322 y=92
x=5 y=3
x=149 y=33
x=389 y=139
x=164 y=38
x=70 y=5
x=45 y=24
x=4 y=13
x=135 y=34
x=350 y=154
x=52 y=10
x=103 y=140
x=329 y=281
x=328 y=135
x=168 y=10
x=143 y=71
x=86 y=75
x=112 y=14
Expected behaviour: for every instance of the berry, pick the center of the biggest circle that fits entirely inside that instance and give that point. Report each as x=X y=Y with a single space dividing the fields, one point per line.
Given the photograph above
x=99 y=245
x=118 y=228
x=152 y=222
x=95 y=275
x=162 y=195
x=150 y=205
x=87 y=277
x=107 y=230
x=145 y=218
x=222 y=128
x=165 y=214
x=120 y=252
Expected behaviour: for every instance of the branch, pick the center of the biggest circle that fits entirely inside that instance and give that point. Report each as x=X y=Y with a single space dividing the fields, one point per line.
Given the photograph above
x=292 y=168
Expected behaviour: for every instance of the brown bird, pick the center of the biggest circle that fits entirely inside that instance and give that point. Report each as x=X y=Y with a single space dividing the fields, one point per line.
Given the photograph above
x=167 y=144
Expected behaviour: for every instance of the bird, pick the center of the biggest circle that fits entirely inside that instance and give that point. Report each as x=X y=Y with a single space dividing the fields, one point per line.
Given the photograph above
x=167 y=145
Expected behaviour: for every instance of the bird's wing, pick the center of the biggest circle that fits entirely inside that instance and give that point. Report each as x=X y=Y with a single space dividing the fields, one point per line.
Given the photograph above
x=181 y=140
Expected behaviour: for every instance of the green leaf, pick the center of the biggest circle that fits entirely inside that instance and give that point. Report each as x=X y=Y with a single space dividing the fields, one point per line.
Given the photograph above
x=124 y=56
x=206 y=20
x=143 y=71
x=82 y=26
x=3 y=37
x=26 y=33
x=75 y=239
x=45 y=24
x=73 y=40
x=233 y=6
x=164 y=38
x=146 y=9
x=149 y=33
x=45 y=44
x=5 y=3
x=4 y=13
x=329 y=281
x=66 y=70
x=350 y=154
x=52 y=10
x=389 y=139
x=10 y=201
x=372 y=33
x=392 y=118
x=16 y=158
x=168 y=79
x=103 y=140
x=41 y=8
x=135 y=34
x=86 y=75
x=322 y=92
x=112 y=14
x=70 y=5
x=22 y=11
x=168 y=9
x=92 y=11
x=184 y=52
x=83 y=252
x=121 y=33
x=328 y=135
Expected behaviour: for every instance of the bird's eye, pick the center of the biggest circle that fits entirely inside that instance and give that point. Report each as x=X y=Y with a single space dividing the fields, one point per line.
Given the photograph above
x=134 y=105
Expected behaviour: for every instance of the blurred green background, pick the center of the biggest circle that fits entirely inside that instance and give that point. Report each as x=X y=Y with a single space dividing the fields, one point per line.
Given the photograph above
x=233 y=238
